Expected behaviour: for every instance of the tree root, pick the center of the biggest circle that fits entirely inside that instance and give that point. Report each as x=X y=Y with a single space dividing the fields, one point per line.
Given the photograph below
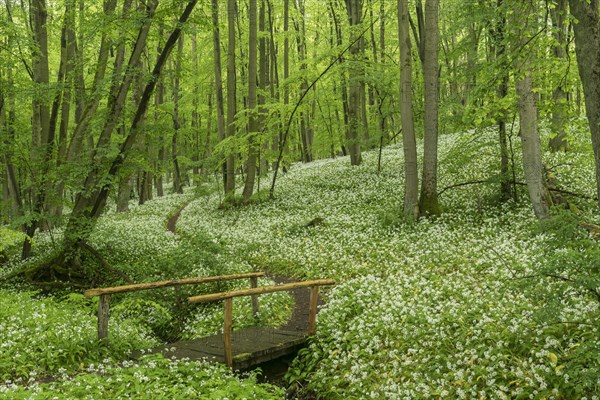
x=65 y=270
x=593 y=229
x=103 y=262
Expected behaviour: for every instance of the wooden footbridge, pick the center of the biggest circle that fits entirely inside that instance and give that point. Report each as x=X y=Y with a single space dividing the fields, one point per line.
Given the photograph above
x=239 y=349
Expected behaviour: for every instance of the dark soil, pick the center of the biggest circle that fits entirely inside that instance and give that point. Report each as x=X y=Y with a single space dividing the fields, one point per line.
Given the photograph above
x=172 y=222
x=299 y=320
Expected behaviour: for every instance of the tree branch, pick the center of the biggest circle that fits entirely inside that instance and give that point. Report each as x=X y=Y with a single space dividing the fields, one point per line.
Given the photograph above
x=308 y=89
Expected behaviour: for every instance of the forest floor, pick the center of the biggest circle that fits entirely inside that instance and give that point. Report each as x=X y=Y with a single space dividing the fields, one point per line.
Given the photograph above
x=274 y=371
x=298 y=322
x=461 y=306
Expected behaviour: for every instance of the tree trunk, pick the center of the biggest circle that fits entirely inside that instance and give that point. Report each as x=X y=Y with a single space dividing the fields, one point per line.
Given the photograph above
x=69 y=47
x=9 y=106
x=87 y=209
x=196 y=120
x=253 y=128
x=219 y=82
x=355 y=78
x=263 y=81
x=86 y=109
x=159 y=99
x=411 y=174
x=177 y=174
x=274 y=81
x=343 y=83
x=286 y=75
x=499 y=34
x=587 y=47
x=124 y=194
x=207 y=148
x=560 y=97
x=42 y=136
x=428 y=201
x=231 y=95
x=304 y=118
x=531 y=146
x=383 y=127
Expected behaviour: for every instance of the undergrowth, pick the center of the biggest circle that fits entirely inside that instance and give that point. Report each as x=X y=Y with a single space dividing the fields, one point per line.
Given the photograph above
x=482 y=302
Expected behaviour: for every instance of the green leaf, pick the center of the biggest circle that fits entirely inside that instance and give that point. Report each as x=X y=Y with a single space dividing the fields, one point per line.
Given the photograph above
x=553 y=358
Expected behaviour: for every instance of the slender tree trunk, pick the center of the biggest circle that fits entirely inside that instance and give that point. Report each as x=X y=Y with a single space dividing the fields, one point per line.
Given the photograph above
x=501 y=92
x=9 y=105
x=79 y=90
x=207 y=148
x=70 y=49
x=159 y=99
x=428 y=201
x=274 y=80
x=472 y=55
x=419 y=30
x=587 y=47
x=177 y=174
x=86 y=109
x=530 y=138
x=42 y=136
x=196 y=121
x=304 y=118
x=411 y=174
x=219 y=82
x=124 y=194
x=143 y=146
x=231 y=94
x=263 y=81
x=253 y=128
x=343 y=83
x=87 y=209
x=381 y=98
x=355 y=78
x=560 y=97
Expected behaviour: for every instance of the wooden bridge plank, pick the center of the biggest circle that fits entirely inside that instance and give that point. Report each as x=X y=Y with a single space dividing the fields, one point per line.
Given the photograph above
x=251 y=346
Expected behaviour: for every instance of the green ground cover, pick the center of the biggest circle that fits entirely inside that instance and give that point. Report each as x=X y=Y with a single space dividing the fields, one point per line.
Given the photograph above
x=463 y=306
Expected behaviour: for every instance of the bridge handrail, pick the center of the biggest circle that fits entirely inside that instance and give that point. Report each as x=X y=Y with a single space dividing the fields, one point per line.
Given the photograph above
x=259 y=290
x=227 y=298
x=174 y=282
x=104 y=293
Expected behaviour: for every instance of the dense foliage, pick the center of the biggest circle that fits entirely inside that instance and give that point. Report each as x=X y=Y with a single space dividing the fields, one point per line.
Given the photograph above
x=464 y=306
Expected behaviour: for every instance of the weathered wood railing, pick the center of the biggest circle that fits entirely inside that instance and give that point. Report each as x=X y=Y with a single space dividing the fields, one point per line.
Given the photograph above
x=227 y=297
x=104 y=293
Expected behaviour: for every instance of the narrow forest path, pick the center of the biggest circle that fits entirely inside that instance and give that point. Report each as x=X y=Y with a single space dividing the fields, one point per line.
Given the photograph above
x=274 y=371
x=172 y=221
x=299 y=319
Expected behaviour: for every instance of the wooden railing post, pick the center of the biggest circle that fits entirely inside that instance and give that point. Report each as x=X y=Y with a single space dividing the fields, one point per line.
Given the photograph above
x=312 y=312
x=254 y=285
x=227 y=331
x=103 y=315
